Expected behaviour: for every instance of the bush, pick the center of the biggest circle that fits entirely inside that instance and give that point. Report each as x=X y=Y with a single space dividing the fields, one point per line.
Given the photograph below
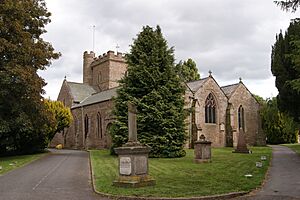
x=279 y=127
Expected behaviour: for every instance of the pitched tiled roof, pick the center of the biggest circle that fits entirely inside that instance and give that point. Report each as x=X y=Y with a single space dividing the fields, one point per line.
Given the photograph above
x=80 y=91
x=229 y=89
x=98 y=97
x=195 y=85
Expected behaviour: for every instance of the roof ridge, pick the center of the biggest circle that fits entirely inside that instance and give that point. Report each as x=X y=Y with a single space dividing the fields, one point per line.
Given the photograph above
x=201 y=79
x=230 y=85
x=75 y=82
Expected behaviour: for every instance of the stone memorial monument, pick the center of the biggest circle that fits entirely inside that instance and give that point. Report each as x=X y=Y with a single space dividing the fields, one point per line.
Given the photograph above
x=133 y=157
x=241 y=144
x=202 y=150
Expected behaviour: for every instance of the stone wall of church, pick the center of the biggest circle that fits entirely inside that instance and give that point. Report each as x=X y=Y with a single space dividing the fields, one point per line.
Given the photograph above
x=253 y=131
x=94 y=138
x=74 y=136
x=64 y=95
x=215 y=132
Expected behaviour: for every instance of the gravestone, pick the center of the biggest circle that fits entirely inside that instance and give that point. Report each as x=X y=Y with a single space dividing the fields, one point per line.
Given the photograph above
x=133 y=157
x=241 y=144
x=202 y=150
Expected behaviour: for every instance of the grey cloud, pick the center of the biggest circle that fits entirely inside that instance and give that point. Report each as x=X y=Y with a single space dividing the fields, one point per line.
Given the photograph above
x=232 y=38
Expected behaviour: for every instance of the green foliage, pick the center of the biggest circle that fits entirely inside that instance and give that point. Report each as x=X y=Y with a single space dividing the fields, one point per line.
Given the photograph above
x=187 y=70
x=22 y=53
x=279 y=127
x=288 y=5
x=285 y=67
x=153 y=86
x=62 y=117
x=259 y=99
x=181 y=177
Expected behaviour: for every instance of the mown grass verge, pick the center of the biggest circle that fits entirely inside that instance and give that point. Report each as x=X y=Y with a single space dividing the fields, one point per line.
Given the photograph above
x=294 y=147
x=181 y=177
x=12 y=162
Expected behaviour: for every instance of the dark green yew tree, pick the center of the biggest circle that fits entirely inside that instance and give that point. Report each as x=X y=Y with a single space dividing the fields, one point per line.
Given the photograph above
x=152 y=84
x=187 y=70
x=22 y=53
x=285 y=65
x=288 y=5
x=279 y=127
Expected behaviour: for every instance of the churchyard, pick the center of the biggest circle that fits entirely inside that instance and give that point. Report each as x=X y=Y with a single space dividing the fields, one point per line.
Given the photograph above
x=182 y=177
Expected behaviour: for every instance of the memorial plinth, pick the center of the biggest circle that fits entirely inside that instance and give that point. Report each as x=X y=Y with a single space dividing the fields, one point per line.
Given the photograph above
x=133 y=158
x=241 y=144
x=202 y=150
x=133 y=167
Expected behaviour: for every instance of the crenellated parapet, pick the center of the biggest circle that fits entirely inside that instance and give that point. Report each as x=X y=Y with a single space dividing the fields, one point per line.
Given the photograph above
x=110 y=55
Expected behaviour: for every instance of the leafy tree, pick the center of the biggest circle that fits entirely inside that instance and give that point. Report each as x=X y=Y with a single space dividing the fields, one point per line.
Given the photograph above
x=288 y=5
x=279 y=127
x=152 y=84
x=285 y=65
x=22 y=53
x=62 y=117
x=259 y=99
x=187 y=70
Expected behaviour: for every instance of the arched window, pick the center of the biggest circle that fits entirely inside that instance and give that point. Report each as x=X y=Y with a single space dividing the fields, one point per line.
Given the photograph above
x=241 y=118
x=86 y=126
x=210 y=109
x=99 y=125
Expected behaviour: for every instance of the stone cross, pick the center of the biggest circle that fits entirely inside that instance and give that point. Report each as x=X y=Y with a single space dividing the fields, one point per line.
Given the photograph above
x=132 y=126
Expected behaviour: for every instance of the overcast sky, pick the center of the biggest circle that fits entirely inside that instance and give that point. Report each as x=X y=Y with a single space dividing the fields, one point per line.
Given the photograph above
x=232 y=38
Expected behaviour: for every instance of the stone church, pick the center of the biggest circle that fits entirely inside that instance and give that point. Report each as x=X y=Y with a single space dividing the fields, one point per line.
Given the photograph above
x=218 y=112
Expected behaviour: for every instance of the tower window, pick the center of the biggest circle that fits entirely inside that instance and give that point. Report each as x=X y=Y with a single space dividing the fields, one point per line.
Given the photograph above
x=210 y=109
x=241 y=118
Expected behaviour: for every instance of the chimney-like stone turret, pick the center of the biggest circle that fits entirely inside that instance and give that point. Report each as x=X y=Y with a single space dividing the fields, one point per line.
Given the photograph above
x=88 y=58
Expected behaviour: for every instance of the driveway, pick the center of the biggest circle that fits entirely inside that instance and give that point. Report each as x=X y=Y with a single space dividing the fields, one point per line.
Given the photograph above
x=283 y=181
x=63 y=174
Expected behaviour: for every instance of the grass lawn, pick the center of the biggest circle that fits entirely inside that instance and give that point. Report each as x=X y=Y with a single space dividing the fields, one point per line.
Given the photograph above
x=13 y=162
x=180 y=177
x=294 y=147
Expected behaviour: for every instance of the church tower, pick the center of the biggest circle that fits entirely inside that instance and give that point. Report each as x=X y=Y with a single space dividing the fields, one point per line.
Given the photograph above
x=103 y=72
x=88 y=58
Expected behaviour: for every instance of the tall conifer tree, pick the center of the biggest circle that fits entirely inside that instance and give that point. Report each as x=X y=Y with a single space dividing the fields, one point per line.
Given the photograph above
x=285 y=65
x=187 y=70
x=152 y=84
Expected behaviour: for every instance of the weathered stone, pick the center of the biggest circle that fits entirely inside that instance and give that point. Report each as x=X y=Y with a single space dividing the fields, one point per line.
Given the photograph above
x=241 y=145
x=125 y=166
x=202 y=150
x=258 y=164
x=133 y=157
x=133 y=165
x=132 y=126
